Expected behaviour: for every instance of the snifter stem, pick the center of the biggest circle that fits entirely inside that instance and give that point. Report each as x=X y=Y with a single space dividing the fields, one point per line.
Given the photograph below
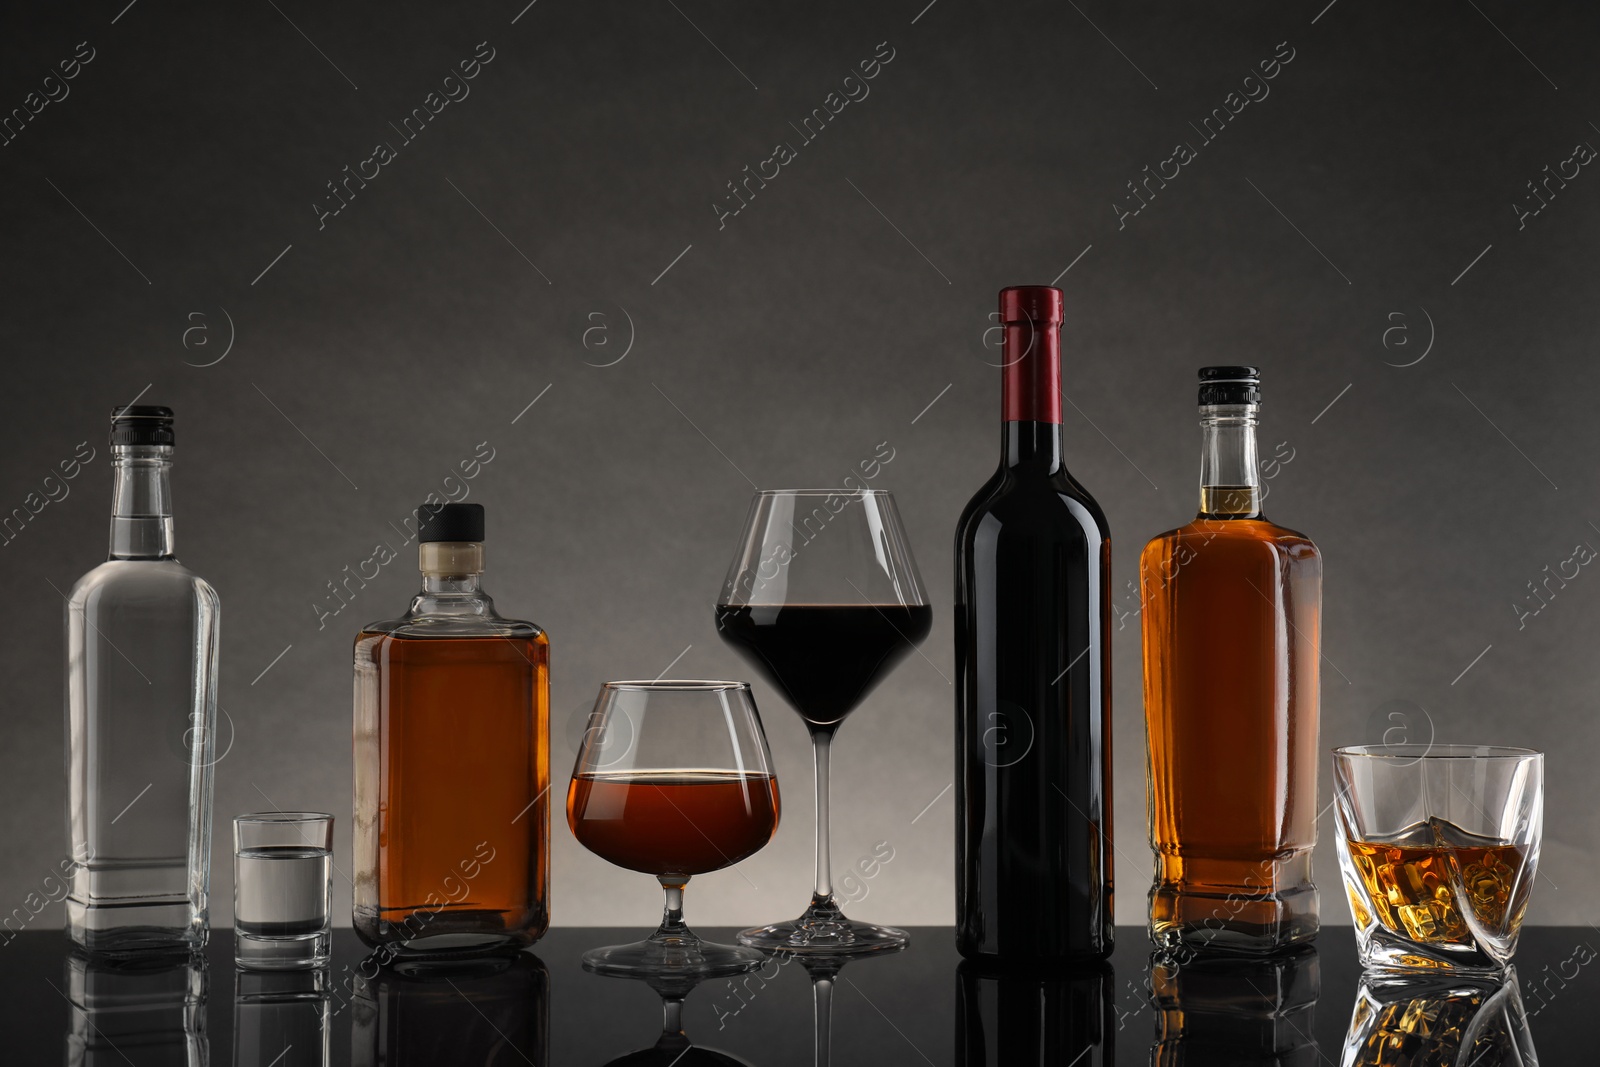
x=672 y=927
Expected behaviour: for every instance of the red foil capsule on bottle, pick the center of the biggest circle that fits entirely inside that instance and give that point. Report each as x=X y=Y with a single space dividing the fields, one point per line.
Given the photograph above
x=1030 y=389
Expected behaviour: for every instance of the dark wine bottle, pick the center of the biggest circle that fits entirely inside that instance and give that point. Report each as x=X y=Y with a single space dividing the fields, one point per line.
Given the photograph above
x=1033 y=685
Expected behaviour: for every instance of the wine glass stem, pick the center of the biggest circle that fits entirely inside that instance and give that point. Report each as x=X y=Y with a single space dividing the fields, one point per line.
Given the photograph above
x=672 y=1017
x=822 y=893
x=822 y=1015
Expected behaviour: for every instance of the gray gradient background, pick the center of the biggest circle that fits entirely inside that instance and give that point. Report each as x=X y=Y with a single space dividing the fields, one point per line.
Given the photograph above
x=851 y=295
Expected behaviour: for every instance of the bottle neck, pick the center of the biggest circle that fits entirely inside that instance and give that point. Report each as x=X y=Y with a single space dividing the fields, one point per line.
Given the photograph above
x=451 y=571
x=141 y=502
x=1030 y=396
x=1230 y=477
x=451 y=585
x=1034 y=446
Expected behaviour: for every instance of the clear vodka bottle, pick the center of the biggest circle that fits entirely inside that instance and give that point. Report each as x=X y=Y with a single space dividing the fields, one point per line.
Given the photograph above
x=141 y=716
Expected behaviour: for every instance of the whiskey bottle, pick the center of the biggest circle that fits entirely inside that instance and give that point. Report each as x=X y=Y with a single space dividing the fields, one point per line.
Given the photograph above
x=452 y=761
x=1231 y=609
x=141 y=717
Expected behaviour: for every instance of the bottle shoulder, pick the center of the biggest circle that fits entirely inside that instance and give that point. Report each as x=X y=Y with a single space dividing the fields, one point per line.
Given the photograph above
x=118 y=580
x=1235 y=536
x=1032 y=504
x=440 y=614
x=437 y=627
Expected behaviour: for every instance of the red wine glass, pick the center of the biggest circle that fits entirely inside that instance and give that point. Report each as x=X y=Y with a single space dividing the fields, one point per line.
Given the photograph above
x=823 y=598
x=673 y=779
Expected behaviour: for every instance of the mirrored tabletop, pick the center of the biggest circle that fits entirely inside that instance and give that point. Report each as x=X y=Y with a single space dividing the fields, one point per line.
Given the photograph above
x=919 y=1006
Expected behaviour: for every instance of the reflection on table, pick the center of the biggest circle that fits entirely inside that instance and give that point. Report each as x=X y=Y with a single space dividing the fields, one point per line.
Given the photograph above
x=146 y=1011
x=1235 y=1010
x=824 y=971
x=891 y=1010
x=673 y=1048
x=281 y=1018
x=486 y=1011
x=1438 y=1022
x=1035 y=1016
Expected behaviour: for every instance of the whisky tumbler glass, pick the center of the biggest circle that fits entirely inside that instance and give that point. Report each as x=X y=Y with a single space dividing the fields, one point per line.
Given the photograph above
x=1439 y=846
x=282 y=889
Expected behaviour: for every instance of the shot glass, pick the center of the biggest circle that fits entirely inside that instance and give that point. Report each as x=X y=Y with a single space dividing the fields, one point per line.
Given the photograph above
x=282 y=891
x=1438 y=845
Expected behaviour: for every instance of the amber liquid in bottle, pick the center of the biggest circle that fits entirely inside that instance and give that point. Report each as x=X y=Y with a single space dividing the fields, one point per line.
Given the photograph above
x=1231 y=607
x=452 y=774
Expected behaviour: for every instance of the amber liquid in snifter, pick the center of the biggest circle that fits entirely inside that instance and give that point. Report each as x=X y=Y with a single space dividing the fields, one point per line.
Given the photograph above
x=1231 y=612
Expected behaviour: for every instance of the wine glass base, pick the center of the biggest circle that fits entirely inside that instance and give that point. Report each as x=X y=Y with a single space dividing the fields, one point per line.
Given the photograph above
x=833 y=936
x=676 y=957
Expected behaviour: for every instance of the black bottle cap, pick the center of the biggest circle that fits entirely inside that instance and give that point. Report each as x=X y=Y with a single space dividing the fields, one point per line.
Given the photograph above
x=450 y=522
x=141 y=424
x=1230 y=385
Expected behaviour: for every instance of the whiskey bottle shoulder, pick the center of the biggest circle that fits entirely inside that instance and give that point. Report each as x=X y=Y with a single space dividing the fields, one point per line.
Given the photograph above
x=1225 y=543
x=451 y=627
x=1237 y=531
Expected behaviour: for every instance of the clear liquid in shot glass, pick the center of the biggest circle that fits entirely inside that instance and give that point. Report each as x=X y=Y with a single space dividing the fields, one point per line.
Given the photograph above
x=282 y=891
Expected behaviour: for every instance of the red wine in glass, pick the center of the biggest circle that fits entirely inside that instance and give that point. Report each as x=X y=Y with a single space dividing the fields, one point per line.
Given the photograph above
x=825 y=658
